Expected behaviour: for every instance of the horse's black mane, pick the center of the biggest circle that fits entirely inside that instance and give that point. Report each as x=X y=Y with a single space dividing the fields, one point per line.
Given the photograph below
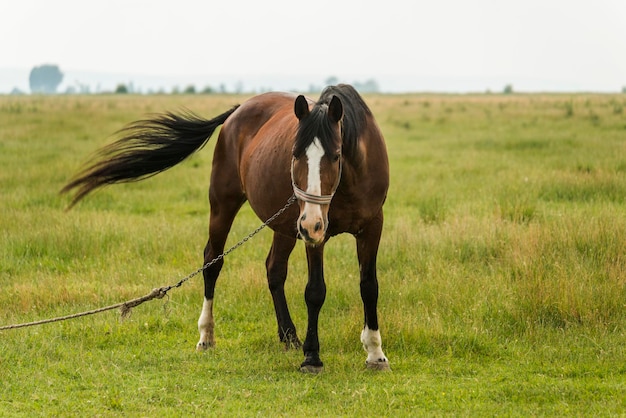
x=317 y=123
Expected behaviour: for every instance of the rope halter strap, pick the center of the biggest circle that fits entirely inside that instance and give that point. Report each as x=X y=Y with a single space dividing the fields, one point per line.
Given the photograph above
x=312 y=198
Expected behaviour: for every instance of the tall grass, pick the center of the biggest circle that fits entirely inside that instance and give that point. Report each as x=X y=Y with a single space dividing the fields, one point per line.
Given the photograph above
x=502 y=269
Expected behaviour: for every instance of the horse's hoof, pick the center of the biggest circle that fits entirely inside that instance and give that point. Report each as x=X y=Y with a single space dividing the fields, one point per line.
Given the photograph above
x=291 y=342
x=379 y=366
x=309 y=368
x=312 y=363
x=202 y=346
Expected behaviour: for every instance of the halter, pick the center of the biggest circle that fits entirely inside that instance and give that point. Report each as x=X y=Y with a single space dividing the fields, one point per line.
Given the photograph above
x=312 y=198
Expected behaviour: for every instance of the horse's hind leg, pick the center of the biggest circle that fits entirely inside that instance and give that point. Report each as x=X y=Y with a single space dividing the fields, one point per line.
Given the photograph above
x=276 y=264
x=223 y=211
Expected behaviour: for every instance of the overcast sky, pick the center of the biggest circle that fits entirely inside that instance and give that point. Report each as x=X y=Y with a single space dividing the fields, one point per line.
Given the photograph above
x=551 y=43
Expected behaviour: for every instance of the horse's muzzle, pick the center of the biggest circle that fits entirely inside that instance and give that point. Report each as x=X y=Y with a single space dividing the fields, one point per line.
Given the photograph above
x=312 y=229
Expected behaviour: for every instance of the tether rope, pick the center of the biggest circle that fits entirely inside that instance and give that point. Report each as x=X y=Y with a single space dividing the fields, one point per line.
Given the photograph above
x=159 y=293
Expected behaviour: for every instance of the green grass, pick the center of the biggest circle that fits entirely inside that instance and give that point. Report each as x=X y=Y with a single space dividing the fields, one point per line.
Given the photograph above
x=502 y=270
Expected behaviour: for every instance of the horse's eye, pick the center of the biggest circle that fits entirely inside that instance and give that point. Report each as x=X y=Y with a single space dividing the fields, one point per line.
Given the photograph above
x=336 y=158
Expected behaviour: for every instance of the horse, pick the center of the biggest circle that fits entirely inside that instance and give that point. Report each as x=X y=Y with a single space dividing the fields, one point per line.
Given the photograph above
x=330 y=154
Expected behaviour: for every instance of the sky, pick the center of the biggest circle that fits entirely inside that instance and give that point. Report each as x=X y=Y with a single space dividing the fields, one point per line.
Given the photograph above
x=405 y=45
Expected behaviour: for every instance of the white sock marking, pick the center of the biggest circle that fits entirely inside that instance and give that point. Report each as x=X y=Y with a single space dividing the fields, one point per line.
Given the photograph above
x=206 y=326
x=372 y=343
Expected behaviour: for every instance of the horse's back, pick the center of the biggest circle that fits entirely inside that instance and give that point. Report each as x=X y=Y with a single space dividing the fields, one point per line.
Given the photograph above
x=240 y=133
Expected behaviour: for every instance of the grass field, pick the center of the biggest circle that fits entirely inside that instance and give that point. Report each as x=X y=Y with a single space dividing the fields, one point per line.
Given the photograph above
x=502 y=270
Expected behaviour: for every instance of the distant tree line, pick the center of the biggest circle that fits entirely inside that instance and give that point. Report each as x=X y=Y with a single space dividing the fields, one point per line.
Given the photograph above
x=367 y=86
x=190 y=89
x=46 y=78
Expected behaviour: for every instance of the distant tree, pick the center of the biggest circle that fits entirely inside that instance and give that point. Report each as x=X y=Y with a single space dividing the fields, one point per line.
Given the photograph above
x=624 y=89
x=83 y=88
x=208 y=90
x=331 y=81
x=369 y=86
x=45 y=79
x=78 y=88
x=190 y=89
x=121 y=89
x=508 y=89
x=314 y=88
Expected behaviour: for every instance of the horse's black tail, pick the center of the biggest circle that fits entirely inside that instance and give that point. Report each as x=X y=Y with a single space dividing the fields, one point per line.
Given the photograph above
x=147 y=147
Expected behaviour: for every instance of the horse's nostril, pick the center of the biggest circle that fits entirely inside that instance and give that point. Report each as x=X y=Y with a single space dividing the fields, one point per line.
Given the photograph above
x=318 y=226
x=303 y=232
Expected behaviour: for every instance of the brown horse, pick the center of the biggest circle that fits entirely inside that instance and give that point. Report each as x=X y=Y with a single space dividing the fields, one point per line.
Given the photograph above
x=330 y=154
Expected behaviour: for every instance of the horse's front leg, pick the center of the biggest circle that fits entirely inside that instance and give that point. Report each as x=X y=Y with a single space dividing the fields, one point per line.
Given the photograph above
x=367 y=249
x=314 y=296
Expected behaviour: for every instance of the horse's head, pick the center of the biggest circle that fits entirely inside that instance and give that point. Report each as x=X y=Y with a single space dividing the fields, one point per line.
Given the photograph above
x=316 y=165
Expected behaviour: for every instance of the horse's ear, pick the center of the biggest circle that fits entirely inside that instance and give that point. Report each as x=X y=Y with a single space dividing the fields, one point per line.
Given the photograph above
x=335 y=109
x=301 y=107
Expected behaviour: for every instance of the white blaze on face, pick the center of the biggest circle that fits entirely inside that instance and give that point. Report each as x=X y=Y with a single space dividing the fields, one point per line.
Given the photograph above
x=312 y=219
x=314 y=154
